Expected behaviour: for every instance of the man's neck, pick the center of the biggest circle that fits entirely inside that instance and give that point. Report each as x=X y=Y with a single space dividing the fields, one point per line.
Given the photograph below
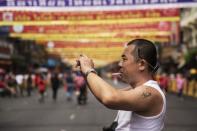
x=140 y=81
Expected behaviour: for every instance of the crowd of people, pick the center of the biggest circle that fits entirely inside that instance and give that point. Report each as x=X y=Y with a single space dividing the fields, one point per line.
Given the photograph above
x=178 y=83
x=21 y=85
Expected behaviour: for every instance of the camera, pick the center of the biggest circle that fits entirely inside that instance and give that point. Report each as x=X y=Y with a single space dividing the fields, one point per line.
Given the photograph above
x=112 y=127
x=78 y=63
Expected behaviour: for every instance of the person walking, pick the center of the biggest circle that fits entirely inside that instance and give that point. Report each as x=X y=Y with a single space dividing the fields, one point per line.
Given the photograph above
x=80 y=85
x=55 y=83
x=29 y=84
x=180 y=82
x=70 y=86
x=41 y=87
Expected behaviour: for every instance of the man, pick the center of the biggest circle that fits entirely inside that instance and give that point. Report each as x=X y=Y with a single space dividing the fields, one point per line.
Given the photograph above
x=55 y=82
x=142 y=106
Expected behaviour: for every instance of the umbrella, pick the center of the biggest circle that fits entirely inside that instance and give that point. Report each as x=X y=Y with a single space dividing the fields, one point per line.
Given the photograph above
x=42 y=70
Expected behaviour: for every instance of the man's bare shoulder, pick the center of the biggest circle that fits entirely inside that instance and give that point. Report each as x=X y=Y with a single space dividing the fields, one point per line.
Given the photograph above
x=156 y=100
x=149 y=92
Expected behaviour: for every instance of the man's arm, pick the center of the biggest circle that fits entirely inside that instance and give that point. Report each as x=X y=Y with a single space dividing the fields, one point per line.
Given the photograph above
x=139 y=99
x=125 y=88
x=101 y=89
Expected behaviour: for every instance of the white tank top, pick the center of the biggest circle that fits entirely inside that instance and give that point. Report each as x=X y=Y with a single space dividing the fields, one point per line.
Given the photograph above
x=130 y=121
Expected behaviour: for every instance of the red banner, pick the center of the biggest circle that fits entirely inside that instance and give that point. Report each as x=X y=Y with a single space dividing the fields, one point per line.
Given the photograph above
x=96 y=15
x=94 y=29
x=159 y=26
x=71 y=44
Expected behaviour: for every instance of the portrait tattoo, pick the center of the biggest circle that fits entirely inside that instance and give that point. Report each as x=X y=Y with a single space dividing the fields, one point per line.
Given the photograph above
x=146 y=94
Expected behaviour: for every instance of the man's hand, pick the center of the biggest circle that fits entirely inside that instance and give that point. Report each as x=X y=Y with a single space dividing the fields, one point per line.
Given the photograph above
x=85 y=63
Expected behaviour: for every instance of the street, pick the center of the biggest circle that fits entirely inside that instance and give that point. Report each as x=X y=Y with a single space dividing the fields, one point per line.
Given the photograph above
x=27 y=114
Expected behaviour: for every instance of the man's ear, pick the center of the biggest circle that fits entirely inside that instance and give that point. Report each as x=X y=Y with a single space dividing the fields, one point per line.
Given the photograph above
x=142 y=65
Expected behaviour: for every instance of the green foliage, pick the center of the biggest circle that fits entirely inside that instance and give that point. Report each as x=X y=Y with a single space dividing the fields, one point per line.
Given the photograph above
x=190 y=54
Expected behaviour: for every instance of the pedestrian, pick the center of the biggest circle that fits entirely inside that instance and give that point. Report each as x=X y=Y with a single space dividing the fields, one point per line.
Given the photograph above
x=21 y=83
x=41 y=87
x=163 y=81
x=70 y=86
x=12 y=84
x=55 y=83
x=180 y=82
x=80 y=86
x=142 y=105
x=4 y=88
x=29 y=84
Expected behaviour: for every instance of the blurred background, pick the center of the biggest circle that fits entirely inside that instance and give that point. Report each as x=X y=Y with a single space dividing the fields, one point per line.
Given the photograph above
x=40 y=89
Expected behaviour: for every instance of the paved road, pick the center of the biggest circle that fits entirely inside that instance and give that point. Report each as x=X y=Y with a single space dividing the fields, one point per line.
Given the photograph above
x=27 y=114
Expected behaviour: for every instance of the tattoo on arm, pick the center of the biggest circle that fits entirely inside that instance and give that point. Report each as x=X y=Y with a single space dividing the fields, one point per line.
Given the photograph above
x=146 y=94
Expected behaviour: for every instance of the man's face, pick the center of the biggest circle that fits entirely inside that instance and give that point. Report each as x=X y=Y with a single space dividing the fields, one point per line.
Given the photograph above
x=128 y=64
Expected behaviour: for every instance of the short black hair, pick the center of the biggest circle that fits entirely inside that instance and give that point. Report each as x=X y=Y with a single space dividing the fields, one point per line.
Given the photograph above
x=145 y=49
